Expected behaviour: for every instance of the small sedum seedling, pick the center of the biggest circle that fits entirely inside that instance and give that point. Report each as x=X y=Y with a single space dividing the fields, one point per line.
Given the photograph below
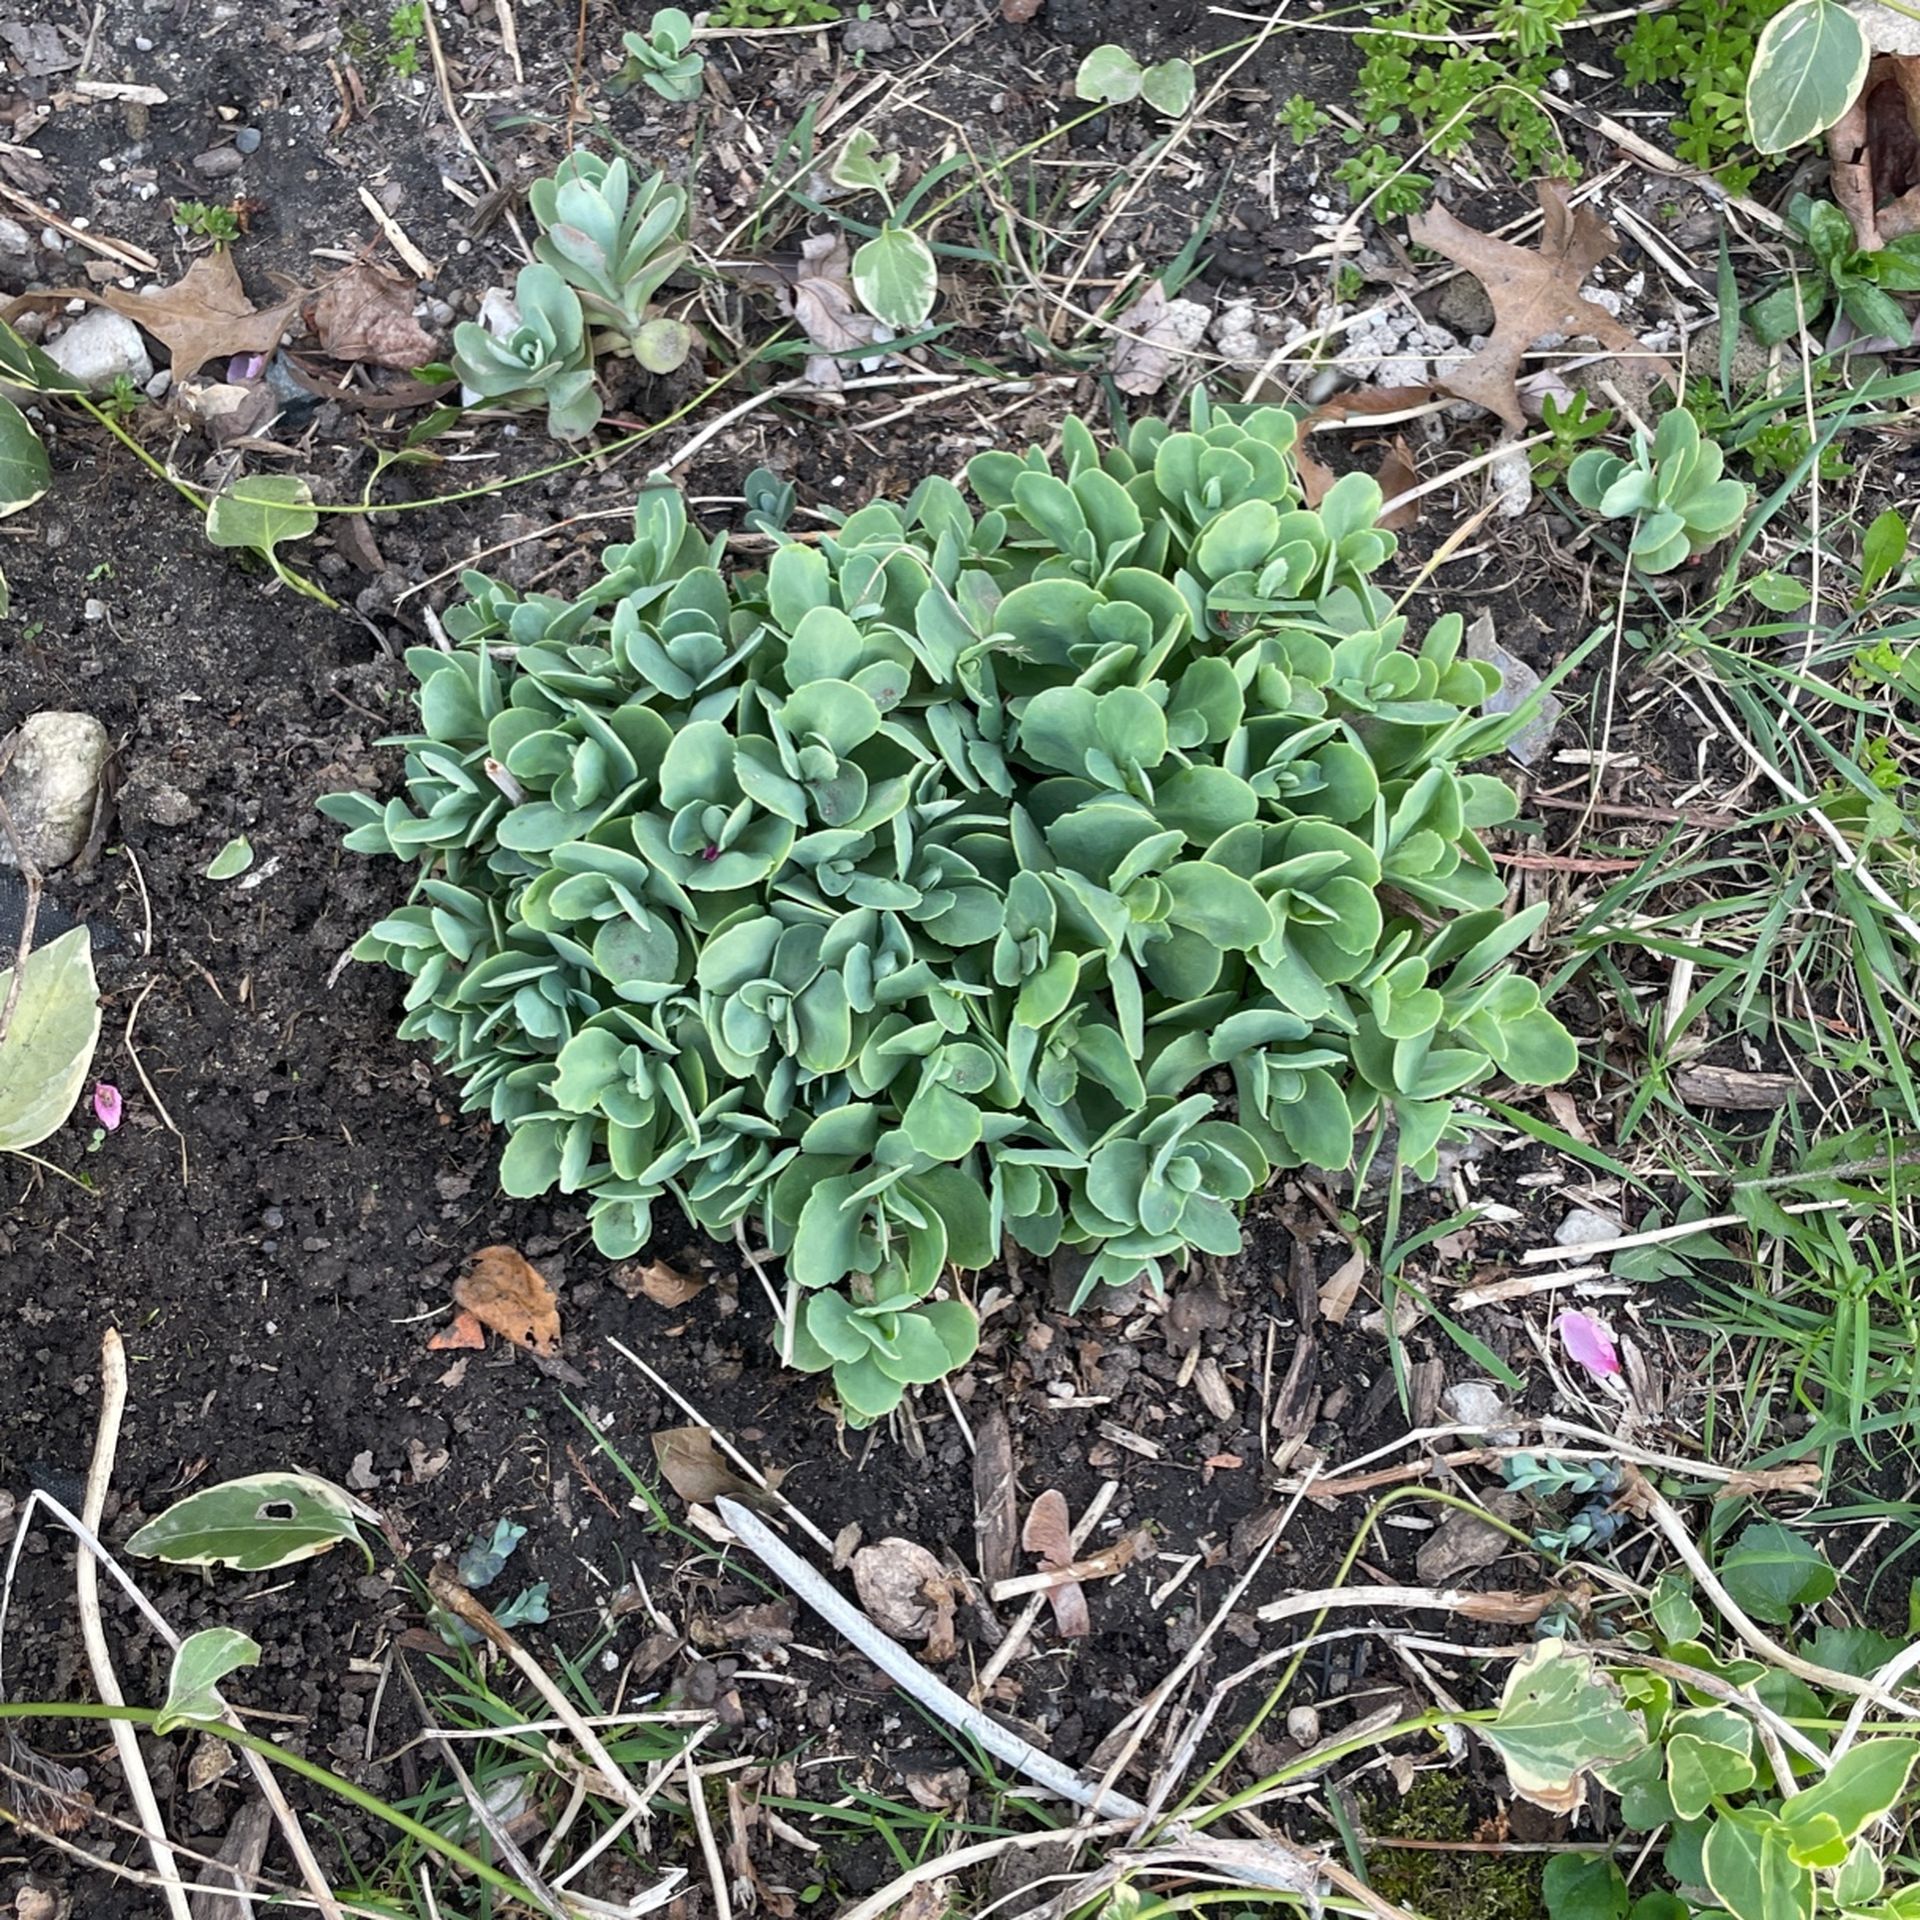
x=1670 y=487
x=1055 y=865
x=544 y=361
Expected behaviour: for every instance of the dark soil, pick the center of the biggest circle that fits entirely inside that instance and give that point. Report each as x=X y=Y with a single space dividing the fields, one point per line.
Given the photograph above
x=275 y=1227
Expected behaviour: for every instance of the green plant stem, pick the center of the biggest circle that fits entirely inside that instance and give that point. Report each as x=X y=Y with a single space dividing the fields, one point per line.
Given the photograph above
x=193 y=498
x=308 y=1770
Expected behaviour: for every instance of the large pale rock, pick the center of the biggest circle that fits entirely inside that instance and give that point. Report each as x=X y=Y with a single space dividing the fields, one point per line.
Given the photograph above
x=99 y=347
x=50 y=786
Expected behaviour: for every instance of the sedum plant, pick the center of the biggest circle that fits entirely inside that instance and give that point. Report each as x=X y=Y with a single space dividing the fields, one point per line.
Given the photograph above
x=545 y=361
x=663 y=57
x=1671 y=488
x=615 y=242
x=1056 y=864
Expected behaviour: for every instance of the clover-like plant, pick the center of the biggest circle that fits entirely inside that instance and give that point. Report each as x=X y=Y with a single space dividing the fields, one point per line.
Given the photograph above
x=615 y=241
x=1053 y=865
x=1671 y=488
x=663 y=57
x=544 y=361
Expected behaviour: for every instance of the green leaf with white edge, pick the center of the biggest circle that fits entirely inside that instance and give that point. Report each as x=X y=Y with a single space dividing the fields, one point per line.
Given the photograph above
x=894 y=275
x=1808 y=68
x=24 y=470
x=1750 y=1870
x=1109 y=75
x=256 y=1524
x=203 y=1661
x=1168 y=88
x=232 y=860
x=1771 y=1571
x=1709 y=1757
x=863 y=168
x=262 y=511
x=1865 y=1782
x=1560 y=1715
x=49 y=1046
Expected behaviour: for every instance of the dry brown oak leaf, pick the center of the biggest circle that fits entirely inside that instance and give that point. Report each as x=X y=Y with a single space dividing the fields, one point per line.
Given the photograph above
x=503 y=1291
x=1534 y=292
x=206 y=313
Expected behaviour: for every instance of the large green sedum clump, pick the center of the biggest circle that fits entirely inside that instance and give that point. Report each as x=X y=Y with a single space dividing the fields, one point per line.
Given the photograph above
x=1058 y=869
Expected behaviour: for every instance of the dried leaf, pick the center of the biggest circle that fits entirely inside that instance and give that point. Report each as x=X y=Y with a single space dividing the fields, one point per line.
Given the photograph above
x=504 y=1292
x=1733 y=1089
x=940 y=1792
x=1396 y=476
x=1153 y=333
x=1016 y=13
x=364 y=314
x=463 y=1330
x=1356 y=403
x=665 y=1286
x=1460 y=1544
x=1534 y=292
x=1875 y=153
x=1049 y=1531
x=205 y=313
x=697 y=1471
x=1342 y=1288
x=995 y=1522
x=907 y=1593
x=822 y=302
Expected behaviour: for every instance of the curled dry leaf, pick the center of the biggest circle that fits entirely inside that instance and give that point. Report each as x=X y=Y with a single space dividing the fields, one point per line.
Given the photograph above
x=940 y=1792
x=697 y=1471
x=504 y=1291
x=665 y=1286
x=205 y=313
x=463 y=1330
x=1534 y=291
x=1356 y=403
x=1154 y=333
x=907 y=1593
x=823 y=303
x=1049 y=1533
x=364 y=314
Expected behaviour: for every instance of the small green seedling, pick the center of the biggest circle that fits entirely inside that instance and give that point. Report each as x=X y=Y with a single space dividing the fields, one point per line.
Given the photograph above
x=1111 y=76
x=193 y=1684
x=256 y=1524
x=49 y=1044
x=1671 y=488
x=663 y=58
x=1862 y=284
x=893 y=273
x=207 y=221
x=755 y=16
x=406 y=28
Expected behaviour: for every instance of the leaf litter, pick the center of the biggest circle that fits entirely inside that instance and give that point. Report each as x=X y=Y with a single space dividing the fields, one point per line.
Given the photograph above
x=365 y=314
x=1154 y=334
x=205 y=314
x=507 y=1293
x=907 y=1593
x=1535 y=292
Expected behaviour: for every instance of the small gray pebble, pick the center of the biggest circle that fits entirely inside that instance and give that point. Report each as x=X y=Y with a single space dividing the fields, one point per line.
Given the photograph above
x=218 y=161
x=247 y=140
x=866 y=36
x=142 y=44
x=274 y=1218
x=95 y=610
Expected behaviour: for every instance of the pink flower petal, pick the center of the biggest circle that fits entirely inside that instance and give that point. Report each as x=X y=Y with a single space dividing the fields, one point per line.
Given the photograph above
x=106 y=1104
x=1588 y=1341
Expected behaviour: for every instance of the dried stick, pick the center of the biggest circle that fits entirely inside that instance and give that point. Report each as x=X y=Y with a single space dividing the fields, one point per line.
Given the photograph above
x=911 y=1677
x=86 y=1582
x=1647 y=1499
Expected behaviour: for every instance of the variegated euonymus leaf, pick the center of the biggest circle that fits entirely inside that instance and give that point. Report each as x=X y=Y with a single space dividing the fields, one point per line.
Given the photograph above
x=1055 y=863
x=263 y=1521
x=203 y=1661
